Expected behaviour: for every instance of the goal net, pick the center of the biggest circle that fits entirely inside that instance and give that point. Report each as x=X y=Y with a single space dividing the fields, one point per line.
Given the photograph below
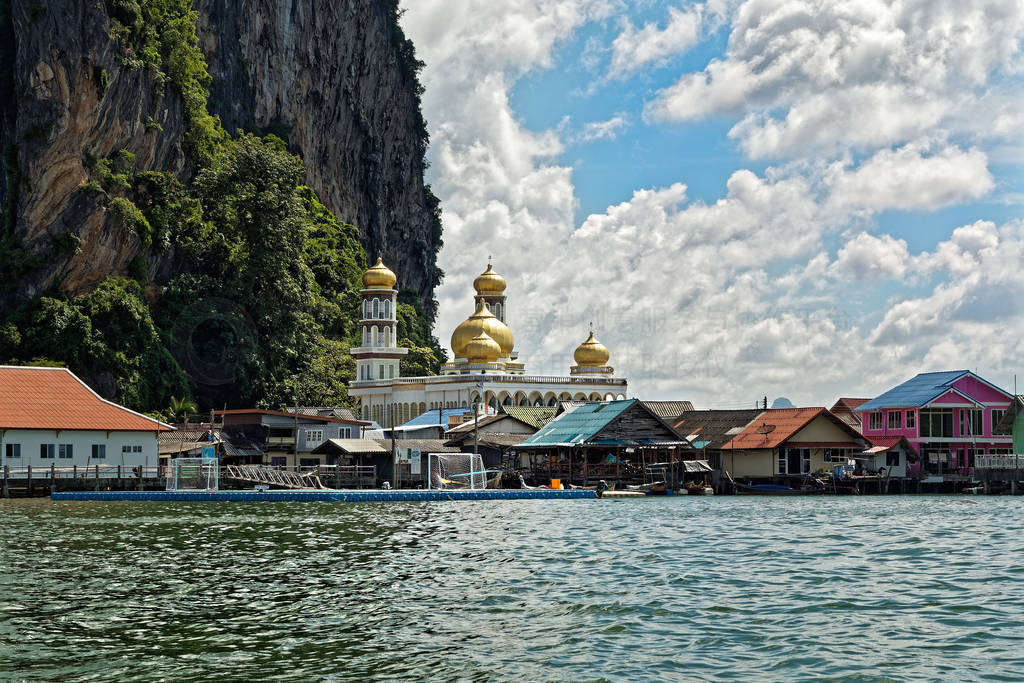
x=193 y=474
x=456 y=471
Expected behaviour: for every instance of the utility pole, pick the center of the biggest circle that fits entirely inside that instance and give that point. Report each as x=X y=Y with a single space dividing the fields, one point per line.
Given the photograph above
x=476 y=417
x=395 y=465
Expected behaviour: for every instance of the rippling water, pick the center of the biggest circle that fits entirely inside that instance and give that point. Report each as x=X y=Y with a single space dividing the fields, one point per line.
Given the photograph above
x=868 y=588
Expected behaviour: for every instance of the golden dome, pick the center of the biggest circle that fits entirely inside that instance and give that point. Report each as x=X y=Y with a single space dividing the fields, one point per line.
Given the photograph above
x=591 y=353
x=379 y=277
x=489 y=283
x=482 y=349
x=482 y=320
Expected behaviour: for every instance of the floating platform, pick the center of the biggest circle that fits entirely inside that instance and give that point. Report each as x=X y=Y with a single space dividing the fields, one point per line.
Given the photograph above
x=322 y=496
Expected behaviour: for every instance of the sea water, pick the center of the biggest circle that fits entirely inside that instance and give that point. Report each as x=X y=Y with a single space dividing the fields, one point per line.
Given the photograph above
x=748 y=588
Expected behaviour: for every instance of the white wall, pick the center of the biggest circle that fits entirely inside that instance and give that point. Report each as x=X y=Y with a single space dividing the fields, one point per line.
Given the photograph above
x=81 y=442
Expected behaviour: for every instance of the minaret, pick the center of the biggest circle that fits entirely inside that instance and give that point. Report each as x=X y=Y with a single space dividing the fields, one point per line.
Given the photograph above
x=490 y=288
x=378 y=355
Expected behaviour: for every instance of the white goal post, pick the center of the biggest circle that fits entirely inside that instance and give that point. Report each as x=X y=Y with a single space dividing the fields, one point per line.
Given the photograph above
x=456 y=471
x=193 y=474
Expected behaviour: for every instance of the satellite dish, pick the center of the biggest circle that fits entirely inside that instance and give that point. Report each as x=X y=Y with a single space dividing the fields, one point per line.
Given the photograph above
x=765 y=429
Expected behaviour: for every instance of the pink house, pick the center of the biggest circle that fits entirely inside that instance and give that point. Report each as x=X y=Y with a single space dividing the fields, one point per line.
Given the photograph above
x=948 y=417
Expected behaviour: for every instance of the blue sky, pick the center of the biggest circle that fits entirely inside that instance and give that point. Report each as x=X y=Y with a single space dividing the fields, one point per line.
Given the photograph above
x=772 y=197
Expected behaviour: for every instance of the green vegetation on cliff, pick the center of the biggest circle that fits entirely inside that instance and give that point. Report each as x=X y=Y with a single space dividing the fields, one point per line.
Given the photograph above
x=265 y=302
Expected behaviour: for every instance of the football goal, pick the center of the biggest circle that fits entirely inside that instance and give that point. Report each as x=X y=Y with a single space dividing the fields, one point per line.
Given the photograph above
x=456 y=471
x=193 y=474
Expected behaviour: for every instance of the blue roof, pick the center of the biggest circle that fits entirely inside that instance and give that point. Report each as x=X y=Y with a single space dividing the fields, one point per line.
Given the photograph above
x=579 y=425
x=917 y=391
x=432 y=419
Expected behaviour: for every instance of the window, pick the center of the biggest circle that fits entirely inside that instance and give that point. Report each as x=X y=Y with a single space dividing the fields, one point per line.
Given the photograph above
x=136 y=449
x=99 y=451
x=46 y=451
x=997 y=417
x=309 y=462
x=892 y=459
x=910 y=420
x=376 y=309
x=366 y=309
x=314 y=437
x=874 y=421
x=13 y=450
x=937 y=422
x=345 y=433
x=387 y=309
x=970 y=422
x=894 y=419
x=391 y=372
x=66 y=451
x=278 y=462
x=795 y=461
x=126 y=449
x=380 y=372
x=835 y=455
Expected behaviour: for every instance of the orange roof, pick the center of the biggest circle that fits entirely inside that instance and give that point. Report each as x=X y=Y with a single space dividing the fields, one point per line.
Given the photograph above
x=772 y=427
x=54 y=398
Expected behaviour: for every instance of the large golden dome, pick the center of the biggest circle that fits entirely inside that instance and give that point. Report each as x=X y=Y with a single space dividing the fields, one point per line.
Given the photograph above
x=379 y=277
x=591 y=353
x=482 y=320
x=489 y=283
x=482 y=349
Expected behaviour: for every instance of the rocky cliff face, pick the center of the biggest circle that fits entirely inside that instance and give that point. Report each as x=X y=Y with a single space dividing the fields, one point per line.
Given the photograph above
x=335 y=79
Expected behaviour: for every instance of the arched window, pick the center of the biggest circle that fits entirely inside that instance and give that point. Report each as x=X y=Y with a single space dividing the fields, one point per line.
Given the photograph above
x=380 y=337
x=387 y=336
x=498 y=312
x=373 y=336
x=366 y=309
x=387 y=309
x=365 y=340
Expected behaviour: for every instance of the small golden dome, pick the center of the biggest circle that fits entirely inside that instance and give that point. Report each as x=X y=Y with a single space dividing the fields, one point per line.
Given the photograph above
x=482 y=349
x=379 y=277
x=482 y=320
x=489 y=283
x=591 y=353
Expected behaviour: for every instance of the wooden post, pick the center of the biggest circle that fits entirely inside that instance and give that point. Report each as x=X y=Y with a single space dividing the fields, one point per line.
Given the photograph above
x=96 y=482
x=28 y=484
x=53 y=477
x=5 y=492
x=337 y=473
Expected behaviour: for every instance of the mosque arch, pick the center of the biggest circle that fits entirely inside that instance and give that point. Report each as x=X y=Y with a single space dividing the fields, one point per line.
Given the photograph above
x=552 y=402
x=565 y=396
x=534 y=397
x=493 y=404
x=387 y=309
x=609 y=397
x=423 y=409
x=595 y=397
x=580 y=396
x=375 y=308
x=620 y=397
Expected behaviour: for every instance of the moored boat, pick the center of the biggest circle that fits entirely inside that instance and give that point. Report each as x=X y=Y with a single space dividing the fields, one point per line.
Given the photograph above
x=775 y=490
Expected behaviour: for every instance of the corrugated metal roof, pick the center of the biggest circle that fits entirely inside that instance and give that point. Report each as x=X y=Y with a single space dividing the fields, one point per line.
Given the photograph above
x=578 y=425
x=538 y=416
x=713 y=428
x=351 y=446
x=433 y=418
x=54 y=398
x=916 y=391
x=422 y=445
x=886 y=443
x=668 y=409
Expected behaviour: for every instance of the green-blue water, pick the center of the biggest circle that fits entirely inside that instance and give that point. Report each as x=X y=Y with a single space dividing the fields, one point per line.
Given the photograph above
x=746 y=588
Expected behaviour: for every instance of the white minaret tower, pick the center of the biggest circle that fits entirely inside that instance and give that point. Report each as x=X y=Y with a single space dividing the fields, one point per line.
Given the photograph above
x=378 y=356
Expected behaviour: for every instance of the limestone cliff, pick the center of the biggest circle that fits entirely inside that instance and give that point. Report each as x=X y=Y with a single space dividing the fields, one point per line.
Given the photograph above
x=337 y=80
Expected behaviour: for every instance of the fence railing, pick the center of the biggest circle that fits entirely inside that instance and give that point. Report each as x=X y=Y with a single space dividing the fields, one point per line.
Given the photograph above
x=85 y=472
x=999 y=462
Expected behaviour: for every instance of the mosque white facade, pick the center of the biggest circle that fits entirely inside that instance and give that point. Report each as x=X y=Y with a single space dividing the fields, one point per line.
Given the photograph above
x=485 y=366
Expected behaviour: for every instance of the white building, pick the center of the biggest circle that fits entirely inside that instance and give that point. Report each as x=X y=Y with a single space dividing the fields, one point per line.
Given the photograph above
x=486 y=367
x=50 y=417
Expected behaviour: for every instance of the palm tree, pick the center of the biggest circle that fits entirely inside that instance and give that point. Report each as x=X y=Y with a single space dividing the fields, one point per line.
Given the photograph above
x=183 y=408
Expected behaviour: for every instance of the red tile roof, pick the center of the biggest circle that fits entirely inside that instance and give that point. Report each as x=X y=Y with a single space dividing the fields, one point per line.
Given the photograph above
x=54 y=398
x=889 y=442
x=776 y=425
x=850 y=403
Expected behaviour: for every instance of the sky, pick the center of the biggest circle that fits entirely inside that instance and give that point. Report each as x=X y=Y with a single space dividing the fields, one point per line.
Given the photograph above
x=751 y=198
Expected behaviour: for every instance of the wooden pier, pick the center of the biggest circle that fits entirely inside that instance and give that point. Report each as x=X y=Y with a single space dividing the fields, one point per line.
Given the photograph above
x=29 y=481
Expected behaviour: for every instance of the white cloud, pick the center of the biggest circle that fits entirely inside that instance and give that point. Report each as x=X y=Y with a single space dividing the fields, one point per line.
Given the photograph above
x=910 y=178
x=855 y=74
x=637 y=47
x=603 y=130
x=866 y=257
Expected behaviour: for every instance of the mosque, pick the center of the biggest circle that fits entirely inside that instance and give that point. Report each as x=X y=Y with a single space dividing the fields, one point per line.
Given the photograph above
x=485 y=368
